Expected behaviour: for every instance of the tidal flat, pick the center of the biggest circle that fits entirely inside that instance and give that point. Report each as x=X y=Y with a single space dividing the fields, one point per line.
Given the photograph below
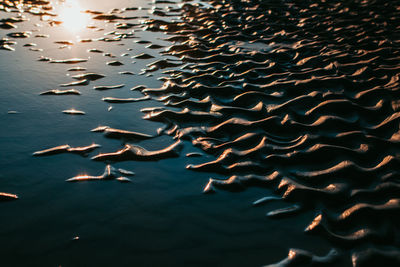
x=199 y=133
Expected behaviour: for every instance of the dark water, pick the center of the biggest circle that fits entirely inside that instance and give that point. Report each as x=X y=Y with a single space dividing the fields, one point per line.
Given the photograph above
x=291 y=107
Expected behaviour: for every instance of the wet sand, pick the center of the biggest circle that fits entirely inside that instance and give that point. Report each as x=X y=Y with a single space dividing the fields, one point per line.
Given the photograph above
x=257 y=132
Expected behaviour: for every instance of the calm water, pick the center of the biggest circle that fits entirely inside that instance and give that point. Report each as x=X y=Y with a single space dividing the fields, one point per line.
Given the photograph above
x=161 y=217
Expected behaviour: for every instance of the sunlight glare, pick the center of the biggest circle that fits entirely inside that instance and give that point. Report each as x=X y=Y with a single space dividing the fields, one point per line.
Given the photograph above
x=72 y=16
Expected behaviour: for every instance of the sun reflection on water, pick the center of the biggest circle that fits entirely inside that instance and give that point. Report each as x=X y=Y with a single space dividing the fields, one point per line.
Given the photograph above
x=72 y=16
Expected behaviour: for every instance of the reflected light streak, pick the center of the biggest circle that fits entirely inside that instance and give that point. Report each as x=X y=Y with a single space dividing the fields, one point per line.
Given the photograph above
x=72 y=16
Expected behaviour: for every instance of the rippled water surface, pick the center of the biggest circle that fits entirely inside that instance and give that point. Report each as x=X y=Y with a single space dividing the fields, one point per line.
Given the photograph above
x=199 y=133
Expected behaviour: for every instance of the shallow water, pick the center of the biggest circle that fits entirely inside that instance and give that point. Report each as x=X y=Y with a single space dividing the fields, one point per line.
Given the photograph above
x=291 y=108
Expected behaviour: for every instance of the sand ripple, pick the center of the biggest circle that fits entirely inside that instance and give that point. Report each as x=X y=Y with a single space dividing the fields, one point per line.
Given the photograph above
x=297 y=97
